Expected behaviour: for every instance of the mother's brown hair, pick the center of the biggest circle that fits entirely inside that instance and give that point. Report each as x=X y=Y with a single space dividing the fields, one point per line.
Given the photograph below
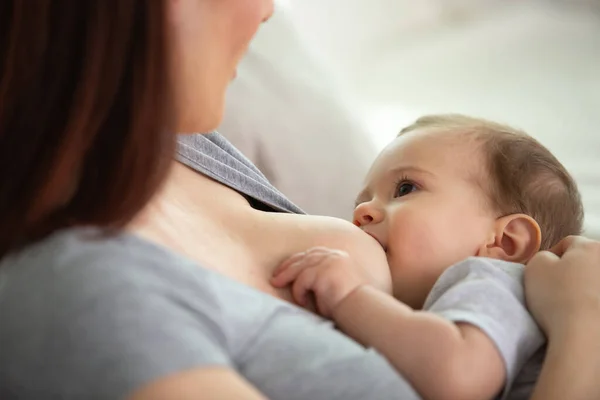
x=84 y=132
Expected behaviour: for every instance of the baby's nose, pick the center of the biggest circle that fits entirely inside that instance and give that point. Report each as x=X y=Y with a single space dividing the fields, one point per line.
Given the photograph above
x=363 y=220
x=367 y=213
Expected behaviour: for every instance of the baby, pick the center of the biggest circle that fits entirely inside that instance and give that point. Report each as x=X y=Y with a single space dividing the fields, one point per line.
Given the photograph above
x=459 y=205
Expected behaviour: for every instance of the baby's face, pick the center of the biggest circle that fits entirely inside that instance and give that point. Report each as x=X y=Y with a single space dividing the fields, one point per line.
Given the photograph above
x=423 y=202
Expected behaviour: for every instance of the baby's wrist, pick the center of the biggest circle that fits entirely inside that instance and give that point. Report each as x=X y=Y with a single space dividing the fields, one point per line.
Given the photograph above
x=346 y=301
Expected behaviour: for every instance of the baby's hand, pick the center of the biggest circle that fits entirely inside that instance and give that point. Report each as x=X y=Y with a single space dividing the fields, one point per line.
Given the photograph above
x=330 y=274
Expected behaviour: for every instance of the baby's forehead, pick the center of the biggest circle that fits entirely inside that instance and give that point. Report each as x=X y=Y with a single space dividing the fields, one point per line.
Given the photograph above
x=431 y=158
x=437 y=148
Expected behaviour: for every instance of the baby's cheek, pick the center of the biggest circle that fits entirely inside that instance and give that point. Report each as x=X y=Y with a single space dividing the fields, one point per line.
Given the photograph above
x=422 y=250
x=417 y=240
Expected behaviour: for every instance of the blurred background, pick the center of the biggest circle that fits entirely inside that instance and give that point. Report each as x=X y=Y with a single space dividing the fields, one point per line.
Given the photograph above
x=328 y=83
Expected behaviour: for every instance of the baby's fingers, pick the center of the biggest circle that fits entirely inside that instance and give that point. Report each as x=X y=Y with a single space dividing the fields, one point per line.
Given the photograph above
x=289 y=270
x=304 y=285
x=286 y=275
x=296 y=257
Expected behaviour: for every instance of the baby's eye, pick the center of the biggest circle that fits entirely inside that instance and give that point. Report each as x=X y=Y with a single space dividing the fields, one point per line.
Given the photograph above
x=404 y=188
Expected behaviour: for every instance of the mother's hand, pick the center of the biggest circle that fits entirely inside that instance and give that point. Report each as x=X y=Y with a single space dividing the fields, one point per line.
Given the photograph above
x=562 y=289
x=562 y=286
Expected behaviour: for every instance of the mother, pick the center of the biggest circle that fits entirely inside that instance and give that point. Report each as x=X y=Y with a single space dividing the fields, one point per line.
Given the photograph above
x=91 y=303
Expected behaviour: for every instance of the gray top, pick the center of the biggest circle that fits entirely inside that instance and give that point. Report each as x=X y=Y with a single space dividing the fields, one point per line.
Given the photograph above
x=84 y=317
x=488 y=294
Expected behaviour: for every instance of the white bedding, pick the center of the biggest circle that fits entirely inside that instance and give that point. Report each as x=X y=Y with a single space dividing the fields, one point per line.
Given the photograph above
x=328 y=83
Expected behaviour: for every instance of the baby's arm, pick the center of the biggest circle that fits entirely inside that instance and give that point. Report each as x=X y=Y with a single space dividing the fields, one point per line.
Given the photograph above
x=442 y=360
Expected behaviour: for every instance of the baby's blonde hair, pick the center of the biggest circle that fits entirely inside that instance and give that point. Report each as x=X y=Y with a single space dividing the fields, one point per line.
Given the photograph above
x=525 y=177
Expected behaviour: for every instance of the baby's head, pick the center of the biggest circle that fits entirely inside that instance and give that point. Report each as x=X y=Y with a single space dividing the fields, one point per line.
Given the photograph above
x=450 y=187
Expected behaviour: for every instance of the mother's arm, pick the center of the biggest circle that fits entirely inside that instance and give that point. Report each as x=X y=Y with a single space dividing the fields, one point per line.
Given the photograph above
x=572 y=364
x=117 y=317
x=201 y=383
x=563 y=293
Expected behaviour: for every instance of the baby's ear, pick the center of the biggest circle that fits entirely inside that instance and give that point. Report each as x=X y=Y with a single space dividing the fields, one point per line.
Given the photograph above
x=516 y=238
